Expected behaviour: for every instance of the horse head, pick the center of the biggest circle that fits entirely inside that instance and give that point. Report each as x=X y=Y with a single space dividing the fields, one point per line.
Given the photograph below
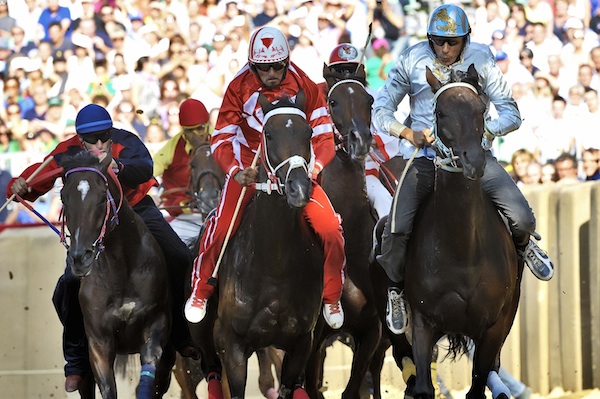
x=206 y=179
x=350 y=110
x=89 y=209
x=459 y=122
x=286 y=146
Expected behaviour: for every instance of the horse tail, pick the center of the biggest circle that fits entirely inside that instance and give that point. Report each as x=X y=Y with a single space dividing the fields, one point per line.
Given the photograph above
x=458 y=345
x=125 y=366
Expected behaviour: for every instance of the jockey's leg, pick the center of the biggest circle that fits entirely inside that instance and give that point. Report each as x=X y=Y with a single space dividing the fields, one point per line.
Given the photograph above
x=417 y=184
x=379 y=196
x=509 y=199
x=75 y=346
x=178 y=260
x=211 y=242
x=327 y=225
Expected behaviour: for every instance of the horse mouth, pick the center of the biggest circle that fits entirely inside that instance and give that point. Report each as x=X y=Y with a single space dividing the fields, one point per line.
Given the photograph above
x=297 y=192
x=81 y=264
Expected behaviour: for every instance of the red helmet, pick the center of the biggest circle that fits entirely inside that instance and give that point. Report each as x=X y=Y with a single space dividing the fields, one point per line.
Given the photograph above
x=192 y=113
x=268 y=45
x=344 y=53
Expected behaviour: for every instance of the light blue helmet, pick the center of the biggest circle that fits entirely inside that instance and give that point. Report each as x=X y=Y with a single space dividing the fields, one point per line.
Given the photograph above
x=448 y=20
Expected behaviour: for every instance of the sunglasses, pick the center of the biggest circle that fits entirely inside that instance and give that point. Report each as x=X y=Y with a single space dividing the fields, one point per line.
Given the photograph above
x=440 y=41
x=277 y=66
x=92 y=138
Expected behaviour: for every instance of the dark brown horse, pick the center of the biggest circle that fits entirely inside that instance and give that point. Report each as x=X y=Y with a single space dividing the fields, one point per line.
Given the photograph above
x=125 y=302
x=462 y=276
x=206 y=179
x=343 y=179
x=271 y=277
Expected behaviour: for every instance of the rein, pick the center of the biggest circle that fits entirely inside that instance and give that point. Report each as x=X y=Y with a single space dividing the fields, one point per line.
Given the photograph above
x=98 y=245
x=295 y=161
x=448 y=161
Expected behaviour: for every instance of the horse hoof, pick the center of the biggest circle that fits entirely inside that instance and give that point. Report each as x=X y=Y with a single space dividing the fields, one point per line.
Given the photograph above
x=300 y=393
x=272 y=393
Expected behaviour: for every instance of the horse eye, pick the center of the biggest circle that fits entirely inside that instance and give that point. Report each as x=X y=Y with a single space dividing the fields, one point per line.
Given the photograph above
x=332 y=103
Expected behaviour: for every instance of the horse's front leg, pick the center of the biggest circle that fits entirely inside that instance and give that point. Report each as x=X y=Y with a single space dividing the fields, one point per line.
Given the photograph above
x=235 y=362
x=157 y=358
x=102 y=358
x=294 y=364
x=422 y=351
x=268 y=357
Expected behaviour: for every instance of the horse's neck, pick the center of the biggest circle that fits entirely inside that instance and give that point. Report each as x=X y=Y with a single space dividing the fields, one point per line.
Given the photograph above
x=462 y=202
x=344 y=176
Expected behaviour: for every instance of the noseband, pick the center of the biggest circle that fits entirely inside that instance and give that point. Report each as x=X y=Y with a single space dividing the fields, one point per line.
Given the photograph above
x=295 y=161
x=448 y=161
x=98 y=245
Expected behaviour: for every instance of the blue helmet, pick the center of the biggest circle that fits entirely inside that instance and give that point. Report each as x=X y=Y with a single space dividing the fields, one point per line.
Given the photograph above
x=448 y=20
x=92 y=118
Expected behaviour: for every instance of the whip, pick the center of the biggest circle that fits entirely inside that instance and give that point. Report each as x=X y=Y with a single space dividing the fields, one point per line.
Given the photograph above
x=29 y=179
x=213 y=279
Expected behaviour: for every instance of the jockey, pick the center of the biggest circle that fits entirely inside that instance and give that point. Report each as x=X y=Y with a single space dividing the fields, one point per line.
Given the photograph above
x=345 y=63
x=133 y=166
x=172 y=163
x=237 y=137
x=447 y=48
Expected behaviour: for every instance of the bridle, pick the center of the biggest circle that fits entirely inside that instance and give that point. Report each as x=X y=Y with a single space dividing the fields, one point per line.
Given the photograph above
x=294 y=162
x=98 y=245
x=339 y=137
x=448 y=161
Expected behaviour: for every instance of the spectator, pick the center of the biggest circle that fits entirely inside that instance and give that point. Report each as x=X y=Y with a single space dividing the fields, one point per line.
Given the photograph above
x=20 y=45
x=533 y=174
x=514 y=72
x=59 y=76
x=526 y=58
x=6 y=21
x=518 y=165
x=81 y=64
x=389 y=24
x=54 y=13
x=379 y=65
x=58 y=42
x=16 y=125
x=549 y=174
x=40 y=98
x=554 y=135
x=7 y=143
x=126 y=118
x=566 y=168
x=591 y=163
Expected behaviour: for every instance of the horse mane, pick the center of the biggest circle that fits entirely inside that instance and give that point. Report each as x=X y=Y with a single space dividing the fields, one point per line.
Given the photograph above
x=81 y=159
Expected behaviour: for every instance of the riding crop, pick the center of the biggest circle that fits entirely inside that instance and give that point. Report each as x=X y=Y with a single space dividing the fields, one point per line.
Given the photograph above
x=29 y=179
x=213 y=279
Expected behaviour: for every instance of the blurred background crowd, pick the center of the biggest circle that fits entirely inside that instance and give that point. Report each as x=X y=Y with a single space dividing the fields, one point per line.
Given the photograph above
x=142 y=58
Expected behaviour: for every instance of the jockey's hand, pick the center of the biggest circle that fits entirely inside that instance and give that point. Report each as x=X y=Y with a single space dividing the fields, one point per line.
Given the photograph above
x=20 y=187
x=419 y=139
x=246 y=177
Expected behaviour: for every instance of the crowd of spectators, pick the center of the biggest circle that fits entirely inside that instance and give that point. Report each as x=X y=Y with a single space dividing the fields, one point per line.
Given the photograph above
x=141 y=58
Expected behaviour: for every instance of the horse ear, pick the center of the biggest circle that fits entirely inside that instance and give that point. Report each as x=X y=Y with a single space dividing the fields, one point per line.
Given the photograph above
x=330 y=79
x=432 y=80
x=264 y=103
x=472 y=72
x=361 y=74
x=105 y=164
x=301 y=99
